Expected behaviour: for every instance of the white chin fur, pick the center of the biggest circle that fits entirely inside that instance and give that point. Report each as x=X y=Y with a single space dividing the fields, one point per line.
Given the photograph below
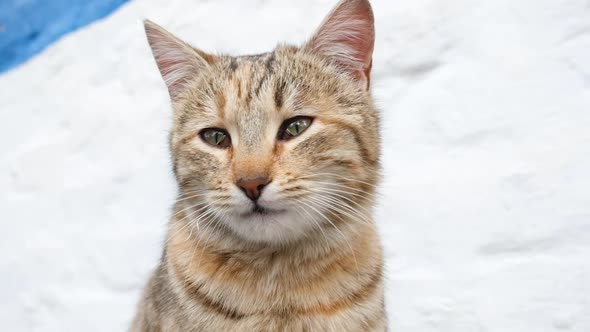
x=275 y=228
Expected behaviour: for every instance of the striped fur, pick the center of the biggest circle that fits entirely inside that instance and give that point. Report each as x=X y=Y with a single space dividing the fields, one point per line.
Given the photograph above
x=314 y=261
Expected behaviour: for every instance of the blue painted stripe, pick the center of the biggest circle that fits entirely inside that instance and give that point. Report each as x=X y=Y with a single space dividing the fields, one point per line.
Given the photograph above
x=29 y=26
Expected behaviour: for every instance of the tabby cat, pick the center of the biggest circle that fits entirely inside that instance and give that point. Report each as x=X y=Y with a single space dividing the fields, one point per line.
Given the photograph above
x=277 y=158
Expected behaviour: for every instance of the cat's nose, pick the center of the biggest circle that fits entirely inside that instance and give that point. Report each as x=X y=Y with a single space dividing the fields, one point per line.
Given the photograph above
x=252 y=187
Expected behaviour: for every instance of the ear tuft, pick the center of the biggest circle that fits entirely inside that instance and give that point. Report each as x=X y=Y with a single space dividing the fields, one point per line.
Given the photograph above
x=178 y=62
x=346 y=37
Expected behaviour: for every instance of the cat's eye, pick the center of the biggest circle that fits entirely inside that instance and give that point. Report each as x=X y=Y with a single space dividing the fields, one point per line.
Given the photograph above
x=294 y=127
x=216 y=137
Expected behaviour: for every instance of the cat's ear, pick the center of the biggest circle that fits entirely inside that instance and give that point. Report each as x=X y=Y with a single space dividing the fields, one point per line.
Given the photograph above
x=346 y=37
x=179 y=63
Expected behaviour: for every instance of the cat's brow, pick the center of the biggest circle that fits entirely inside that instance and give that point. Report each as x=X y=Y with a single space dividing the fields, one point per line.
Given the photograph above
x=278 y=94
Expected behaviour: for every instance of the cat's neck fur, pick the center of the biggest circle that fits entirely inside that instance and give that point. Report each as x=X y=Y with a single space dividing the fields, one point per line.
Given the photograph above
x=299 y=279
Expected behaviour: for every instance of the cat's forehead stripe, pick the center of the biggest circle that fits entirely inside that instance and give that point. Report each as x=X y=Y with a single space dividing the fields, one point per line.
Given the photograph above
x=233 y=65
x=250 y=73
x=268 y=70
x=253 y=57
x=236 y=61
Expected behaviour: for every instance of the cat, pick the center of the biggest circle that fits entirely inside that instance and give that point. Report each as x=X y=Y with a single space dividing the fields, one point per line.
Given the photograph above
x=277 y=161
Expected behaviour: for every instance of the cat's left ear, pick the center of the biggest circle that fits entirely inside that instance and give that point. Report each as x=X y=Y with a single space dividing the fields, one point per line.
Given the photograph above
x=346 y=37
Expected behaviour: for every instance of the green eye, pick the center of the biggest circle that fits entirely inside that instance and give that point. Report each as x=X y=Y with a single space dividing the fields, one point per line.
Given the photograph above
x=216 y=137
x=294 y=127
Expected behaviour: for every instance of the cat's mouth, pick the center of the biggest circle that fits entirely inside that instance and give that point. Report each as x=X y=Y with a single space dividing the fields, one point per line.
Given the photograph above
x=259 y=210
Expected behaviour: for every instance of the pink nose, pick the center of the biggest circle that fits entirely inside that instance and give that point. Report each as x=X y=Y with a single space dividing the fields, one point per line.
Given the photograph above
x=253 y=187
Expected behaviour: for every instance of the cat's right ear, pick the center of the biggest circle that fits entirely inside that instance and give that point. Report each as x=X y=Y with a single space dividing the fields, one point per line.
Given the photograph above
x=178 y=62
x=346 y=37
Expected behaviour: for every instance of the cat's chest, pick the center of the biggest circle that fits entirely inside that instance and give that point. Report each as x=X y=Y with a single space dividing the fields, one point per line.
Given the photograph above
x=316 y=297
x=352 y=321
x=272 y=291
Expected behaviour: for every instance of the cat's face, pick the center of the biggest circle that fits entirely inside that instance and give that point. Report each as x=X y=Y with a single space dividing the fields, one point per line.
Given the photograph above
x=281 y=126
x=273 y=147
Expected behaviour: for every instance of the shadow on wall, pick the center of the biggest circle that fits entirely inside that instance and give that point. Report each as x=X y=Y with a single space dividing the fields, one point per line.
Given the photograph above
x=29 y=26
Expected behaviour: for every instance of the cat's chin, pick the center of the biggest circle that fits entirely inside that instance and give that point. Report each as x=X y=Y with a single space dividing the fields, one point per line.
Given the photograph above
x=277 y=227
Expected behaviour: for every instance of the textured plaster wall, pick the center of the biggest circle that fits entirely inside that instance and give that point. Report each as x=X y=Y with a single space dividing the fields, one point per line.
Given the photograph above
x=485 y=203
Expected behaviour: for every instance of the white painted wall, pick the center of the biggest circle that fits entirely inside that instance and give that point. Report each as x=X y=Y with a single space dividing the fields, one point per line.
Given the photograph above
x=485 y=207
